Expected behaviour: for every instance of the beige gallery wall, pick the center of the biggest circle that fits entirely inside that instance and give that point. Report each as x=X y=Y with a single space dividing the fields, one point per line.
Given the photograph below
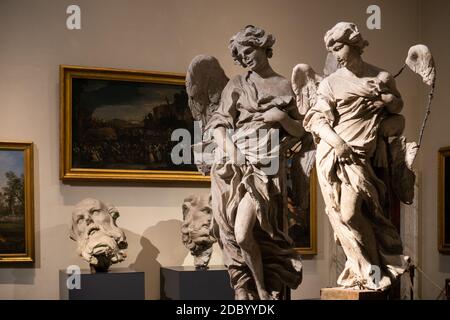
x=436 y=266
x=164 y=35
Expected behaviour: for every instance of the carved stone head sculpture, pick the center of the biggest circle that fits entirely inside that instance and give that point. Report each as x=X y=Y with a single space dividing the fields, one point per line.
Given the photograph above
x=100 y=242
x=196 y=231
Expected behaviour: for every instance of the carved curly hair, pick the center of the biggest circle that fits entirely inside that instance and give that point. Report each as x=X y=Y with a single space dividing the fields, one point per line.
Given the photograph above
x=345 y=32
x=251 y=36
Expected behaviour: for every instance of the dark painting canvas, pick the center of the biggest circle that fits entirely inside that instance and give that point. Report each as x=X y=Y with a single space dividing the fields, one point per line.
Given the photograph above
x=127 y=124
x=301 y=214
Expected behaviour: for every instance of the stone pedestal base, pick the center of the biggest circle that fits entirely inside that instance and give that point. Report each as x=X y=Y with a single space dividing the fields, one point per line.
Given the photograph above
x=188 y=283
x=350 y=294
x=116 y=284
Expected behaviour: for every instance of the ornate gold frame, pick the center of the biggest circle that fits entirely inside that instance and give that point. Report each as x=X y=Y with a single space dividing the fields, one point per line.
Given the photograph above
x=312 y=249
x=442 y=154
x=67 y=171
x=28 y=255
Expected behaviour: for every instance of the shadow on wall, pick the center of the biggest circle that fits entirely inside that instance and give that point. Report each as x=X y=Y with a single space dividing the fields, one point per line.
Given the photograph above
x=159 y=245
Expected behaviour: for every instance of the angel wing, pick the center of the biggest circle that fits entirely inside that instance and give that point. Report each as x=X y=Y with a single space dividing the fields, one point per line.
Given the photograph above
x=205 y=81
x=304 y=84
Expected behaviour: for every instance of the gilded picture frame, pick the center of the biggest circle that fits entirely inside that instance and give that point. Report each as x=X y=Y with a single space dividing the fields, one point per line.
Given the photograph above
x=16 y=203
x=116 y=125
x=444 y=200
x=302 y=219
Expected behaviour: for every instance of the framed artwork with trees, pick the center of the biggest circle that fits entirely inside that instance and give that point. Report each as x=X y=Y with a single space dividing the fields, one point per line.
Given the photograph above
x=16 y=202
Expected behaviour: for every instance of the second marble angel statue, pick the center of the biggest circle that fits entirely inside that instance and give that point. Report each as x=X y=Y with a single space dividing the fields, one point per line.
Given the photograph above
x=363 y=162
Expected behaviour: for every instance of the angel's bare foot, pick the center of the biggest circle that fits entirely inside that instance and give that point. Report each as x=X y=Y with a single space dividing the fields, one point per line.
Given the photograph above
x=264 y=295
x=240 y=294
x=275 y=295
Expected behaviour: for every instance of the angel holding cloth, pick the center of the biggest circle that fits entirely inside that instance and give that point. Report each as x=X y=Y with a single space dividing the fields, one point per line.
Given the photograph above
x=255 y=121
x=357 y=127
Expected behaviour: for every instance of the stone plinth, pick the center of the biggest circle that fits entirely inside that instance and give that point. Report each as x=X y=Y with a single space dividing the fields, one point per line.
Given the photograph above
x=350 y=294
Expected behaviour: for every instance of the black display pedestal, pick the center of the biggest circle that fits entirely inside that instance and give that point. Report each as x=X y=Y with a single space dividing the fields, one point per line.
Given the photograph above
x=187 y=283
x=116 y=284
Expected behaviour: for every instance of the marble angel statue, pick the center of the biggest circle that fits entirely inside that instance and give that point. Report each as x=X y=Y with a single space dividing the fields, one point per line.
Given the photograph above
x=362 y=158
x=251 y=125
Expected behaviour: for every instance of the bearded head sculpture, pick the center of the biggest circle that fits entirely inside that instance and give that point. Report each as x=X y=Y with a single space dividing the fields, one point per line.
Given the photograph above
x=100 y=242
x=197 y=229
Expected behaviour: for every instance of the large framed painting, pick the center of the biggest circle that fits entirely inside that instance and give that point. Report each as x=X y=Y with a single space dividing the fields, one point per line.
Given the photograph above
x=16 y=202
x=444 y=200
x=302 y=212
x=125 y=125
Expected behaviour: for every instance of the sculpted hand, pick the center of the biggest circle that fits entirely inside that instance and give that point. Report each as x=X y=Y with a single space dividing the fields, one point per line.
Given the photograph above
x=272 y=115
x=374 y=87
x=387 y=98
x=383 y=100
x=345 y=154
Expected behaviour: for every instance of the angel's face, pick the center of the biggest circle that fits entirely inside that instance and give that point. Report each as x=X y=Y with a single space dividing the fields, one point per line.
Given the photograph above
x=254 y=58
x=344 y=53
